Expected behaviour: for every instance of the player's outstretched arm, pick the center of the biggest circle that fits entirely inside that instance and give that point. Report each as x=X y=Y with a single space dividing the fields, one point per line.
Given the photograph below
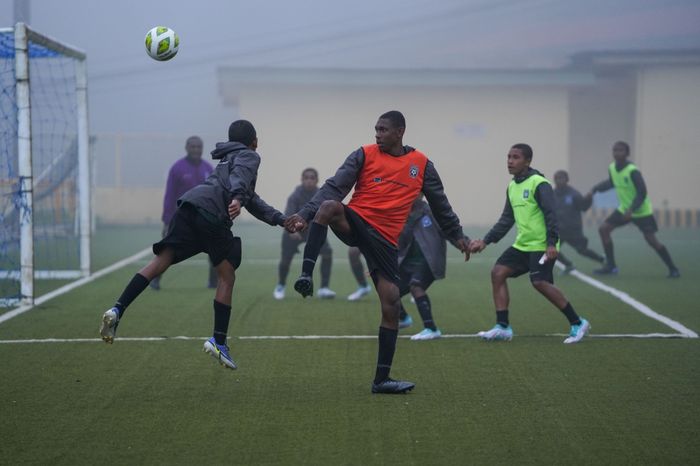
x=264 y=211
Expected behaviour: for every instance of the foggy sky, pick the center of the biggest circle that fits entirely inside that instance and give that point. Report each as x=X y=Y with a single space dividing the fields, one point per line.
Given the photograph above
x=130 y=92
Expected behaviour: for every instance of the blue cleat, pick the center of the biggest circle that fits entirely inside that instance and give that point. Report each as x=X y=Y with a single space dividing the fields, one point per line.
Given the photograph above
x=220 y=353
x=405 y=322
x=427 y=334
x=578 y=332
x=497 y=333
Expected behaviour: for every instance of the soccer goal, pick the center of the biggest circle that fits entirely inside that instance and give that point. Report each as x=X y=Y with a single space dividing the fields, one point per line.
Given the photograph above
x=44 y=163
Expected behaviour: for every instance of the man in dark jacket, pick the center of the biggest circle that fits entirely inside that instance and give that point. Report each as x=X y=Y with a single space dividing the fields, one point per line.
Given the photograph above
x=568 y=206
x=202 y=223
x=386 y=177
x=291 y=241
x=422 y=260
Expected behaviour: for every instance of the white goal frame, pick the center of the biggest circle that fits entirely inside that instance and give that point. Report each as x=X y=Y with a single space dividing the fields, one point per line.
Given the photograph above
x=23 y=35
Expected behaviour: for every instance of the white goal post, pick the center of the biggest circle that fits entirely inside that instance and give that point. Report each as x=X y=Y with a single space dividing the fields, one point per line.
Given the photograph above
x=30 y=45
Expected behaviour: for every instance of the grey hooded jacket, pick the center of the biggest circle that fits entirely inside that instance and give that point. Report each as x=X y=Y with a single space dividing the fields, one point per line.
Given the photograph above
x=233 y=178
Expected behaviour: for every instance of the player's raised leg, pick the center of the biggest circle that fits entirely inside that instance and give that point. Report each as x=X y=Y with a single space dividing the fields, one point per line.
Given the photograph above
x=138 y=283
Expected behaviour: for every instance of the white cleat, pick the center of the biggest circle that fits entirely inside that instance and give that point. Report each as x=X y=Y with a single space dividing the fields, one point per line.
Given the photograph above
x=278 y=293
x=497 y=333
x=360 y=293
x=110 y=321
x=578 y=332
x=427 y=334
x=325 y=293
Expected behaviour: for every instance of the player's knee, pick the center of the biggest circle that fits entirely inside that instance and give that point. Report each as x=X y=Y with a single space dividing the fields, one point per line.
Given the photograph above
x=540 y=285
x=497 y=275
x=328 y=209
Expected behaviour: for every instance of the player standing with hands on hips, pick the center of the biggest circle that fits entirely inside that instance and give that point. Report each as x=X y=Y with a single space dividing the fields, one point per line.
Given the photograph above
x=530 y=206
x=387 y=177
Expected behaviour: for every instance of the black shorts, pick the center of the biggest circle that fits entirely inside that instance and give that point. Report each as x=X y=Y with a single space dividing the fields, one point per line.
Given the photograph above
x=645 y=224
x=189 y=233
x=382 y=257
x=575 y=238
x=521 y=262
x=414 y=273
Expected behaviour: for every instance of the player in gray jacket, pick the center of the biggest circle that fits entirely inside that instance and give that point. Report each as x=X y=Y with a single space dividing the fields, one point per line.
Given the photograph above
x=202 y=223
x=422 y=260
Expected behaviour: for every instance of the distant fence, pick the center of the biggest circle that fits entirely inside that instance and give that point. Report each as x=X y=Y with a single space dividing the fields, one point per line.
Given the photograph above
x=666 y=218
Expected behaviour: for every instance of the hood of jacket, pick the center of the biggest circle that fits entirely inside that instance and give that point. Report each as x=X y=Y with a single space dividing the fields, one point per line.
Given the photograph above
x=223 y=148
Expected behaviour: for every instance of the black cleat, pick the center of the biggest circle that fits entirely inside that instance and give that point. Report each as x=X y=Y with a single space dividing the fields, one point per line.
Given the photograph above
x=304 y=285
x=606 y=270
x=674 y=273
x=391 y=386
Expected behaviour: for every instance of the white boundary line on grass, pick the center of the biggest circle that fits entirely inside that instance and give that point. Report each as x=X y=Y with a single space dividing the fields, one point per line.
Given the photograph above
x=320 y=337
x=71 y=286
x=621 y=295
x=630 y=301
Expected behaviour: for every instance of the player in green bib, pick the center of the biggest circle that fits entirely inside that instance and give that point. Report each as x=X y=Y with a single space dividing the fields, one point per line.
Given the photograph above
x=634 y=206
x=530 y=206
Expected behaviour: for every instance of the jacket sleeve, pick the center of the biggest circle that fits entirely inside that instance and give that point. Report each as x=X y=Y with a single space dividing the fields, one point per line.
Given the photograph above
x=264 y=212
x=242 y=176
x=641 y=188
x=336 y=187
x=580 y=203
x=503 y=226
x=434 y=193
x=603 y=186
x=544 y=195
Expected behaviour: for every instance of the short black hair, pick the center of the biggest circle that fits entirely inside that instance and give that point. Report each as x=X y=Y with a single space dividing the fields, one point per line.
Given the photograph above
x=242 y=131
x=563 y=173
x=525 y=148
x=310 y=170
x=623 y=144
x=395 y=117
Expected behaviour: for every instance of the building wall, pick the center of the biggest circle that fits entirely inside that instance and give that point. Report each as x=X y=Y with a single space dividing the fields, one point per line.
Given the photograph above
x=668 y=118
x=466 y=132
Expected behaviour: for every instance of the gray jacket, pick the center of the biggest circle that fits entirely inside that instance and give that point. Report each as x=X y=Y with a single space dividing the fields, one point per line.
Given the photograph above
x=233 y=178
x=339 y=185
x=422 y=228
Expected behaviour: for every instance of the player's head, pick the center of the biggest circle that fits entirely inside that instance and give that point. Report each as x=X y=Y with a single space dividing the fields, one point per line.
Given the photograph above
x=309 y=178
x=620 y=150
x=193 y=147
x=561 y=179
x=389 y=131
x=243 y=131
x=519 y=158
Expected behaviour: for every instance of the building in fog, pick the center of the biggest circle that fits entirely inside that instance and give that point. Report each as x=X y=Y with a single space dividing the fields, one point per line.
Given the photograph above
x=465 y=121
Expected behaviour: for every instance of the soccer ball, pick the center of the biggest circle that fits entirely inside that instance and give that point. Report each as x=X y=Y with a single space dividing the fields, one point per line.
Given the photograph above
x=162 y=43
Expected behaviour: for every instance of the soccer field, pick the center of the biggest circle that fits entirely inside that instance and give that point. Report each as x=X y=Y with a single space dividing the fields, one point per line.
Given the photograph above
x=626 y=395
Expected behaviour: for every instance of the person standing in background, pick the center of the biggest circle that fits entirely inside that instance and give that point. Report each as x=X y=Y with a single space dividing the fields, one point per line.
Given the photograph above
x=185 y=174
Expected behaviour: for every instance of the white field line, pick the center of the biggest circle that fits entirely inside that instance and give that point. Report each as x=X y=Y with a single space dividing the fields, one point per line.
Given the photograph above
x=71 y=286
x=629 y=300
x=321 y=337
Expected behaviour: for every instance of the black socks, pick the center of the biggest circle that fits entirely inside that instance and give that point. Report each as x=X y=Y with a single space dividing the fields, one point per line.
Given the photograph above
x=426 y=312
x=385 y=355
x=571 y=315
x=502 y=318
x=222 y=315
x=317 y=236
x=134 y=288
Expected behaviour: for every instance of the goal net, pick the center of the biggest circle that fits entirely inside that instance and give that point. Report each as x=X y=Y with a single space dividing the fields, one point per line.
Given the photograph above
x=44 y=163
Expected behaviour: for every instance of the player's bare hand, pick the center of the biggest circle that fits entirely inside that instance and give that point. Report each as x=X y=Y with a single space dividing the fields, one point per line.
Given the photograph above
x=234 y=209
x=476 y=245
x=294 y=223
x=628 y=216
x=552 y=253
x=463 y=245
